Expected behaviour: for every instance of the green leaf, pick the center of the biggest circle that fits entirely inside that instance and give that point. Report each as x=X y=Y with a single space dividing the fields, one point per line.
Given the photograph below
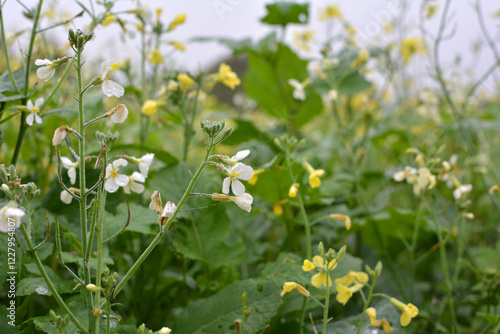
x=172 y=181
x=6 y=83
x=217 y=313
x=30 y=285
x=284 y=13
x=353 y=83
x=204 y=237
x=142 y=220
x=246 y=131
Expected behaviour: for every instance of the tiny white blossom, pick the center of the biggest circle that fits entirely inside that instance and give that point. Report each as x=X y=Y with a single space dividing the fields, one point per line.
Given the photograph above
x=109 y=87
x=46 y=71
x=235 y=158
x=115 y=180
x=298 y=89
x=165 y=330
x=10 y=217
x=144 y=163
x=59 y=135
x=462 y=191
x=135 y=183
x=66 y=197
x=70 y=166
x=34 y=110
x=238 y=171
x=403 y=175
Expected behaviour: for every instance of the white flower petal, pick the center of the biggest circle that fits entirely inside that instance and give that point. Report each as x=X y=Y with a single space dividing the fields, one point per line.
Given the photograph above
x=111 y=186
x=110 y=88
x=66 y=197
x=29 y=119
x=38 y=119
x=137 y=187
x=29 y=105
x=126 y=188
x=108 y=170
x=39 y=102
x=72 y=175
x=137 y=177
x=246 y=173
x=295 y=83
x=119 y=162
x=45 y=73
x=244 y=201
x=121 y=180
x=241 y=155
x=40 y=62
x=237 y=187
x=66 y=162
x=225 y=185
x=120 y=115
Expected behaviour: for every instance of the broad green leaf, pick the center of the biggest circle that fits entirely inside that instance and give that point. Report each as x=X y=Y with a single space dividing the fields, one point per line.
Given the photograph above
x=204 y=236
x=142 y=220
x=45 y=324
x=217 y=313
x=5 y=327
x=38 y=285
x=245 y=131
x=353 y=83
x=284 y=13
x=6 y=83
x=172 y=181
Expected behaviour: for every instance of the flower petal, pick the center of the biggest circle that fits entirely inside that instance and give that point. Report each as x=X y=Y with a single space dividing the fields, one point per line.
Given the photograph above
x=241 y=155
x=111 y=186
x=72 y=175
x=237 y=187
x=29 y=119
x=121 y=180
x=225 y=185
x=110 y=88
x=39 y=102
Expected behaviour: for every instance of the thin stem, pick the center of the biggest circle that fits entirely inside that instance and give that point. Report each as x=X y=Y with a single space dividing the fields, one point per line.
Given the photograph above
x=83 y=194
x=23 y=124
x=102 y=203
x=302 y=314
x=444 y=267
x=302 y=210
x=413 y=247
x=94 y=120
x=164 y=229
x=327 y=299
x=6 y=54
x=367 y=303
x=51 y=286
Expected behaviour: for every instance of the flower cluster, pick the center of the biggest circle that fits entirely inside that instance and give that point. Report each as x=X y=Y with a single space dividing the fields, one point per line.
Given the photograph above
x=350 y=284
x=318 y=263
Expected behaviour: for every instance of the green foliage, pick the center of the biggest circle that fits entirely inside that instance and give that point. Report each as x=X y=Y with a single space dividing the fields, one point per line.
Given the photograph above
x=284 y=13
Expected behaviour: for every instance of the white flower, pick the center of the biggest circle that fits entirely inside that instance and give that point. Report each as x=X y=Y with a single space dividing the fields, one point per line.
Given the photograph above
x=119 y=114
x=168 y=212
x=46 y=71
x=70 y=166
x=135 y=183
x=109 y=87
x=403 y=175
x=423 y=180
x=244 y=201
x=462 y=191
x=165 y=330
x=59 y=135
x=144 y=163
x=10 y=217
x=66 y=197
x=34 y=111
x=298 y=89
x=155 y=204
x=115 y=180
x=238 y=171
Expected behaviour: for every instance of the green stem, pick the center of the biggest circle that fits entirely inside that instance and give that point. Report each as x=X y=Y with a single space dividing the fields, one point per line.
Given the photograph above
x=367 y=303
x=413 y=246
x=102 y=203
x=158 y=237
x=444 y=266
x=23 y=125
x=51 y=286
x=83 y=195
x=302 y=210
x=6 y=53
x=302 y=314
x=327 y=300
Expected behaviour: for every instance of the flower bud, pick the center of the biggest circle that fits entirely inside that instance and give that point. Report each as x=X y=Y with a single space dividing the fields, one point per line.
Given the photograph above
x=92 y=288
x=321 y=249
x=59 y=135
x=378 y=268
x=341 y=252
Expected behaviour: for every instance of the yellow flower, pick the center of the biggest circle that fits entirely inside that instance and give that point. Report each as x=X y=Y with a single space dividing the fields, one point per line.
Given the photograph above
x=372 y=313
x=330 y=12
x=108 y=19
x=227 y=76
x=385 y=325
x=314 y=174
x=431 y=10
x=345 y=218
x=320 y=278
x=185 y=81
x=353 y=277
x=409 y=310
x=156 y=57
x=150 y=107
x=278 y=207
x=411 y=46
x=255 y=176
x=494 y=189
x=302 y=40
x=178 y=20
x=345 y=293
x=178 y=45
x=293 y=190
x=289 y=286
x=361 y=59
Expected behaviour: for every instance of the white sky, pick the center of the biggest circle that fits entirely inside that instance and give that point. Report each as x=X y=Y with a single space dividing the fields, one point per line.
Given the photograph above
x=240 y=18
